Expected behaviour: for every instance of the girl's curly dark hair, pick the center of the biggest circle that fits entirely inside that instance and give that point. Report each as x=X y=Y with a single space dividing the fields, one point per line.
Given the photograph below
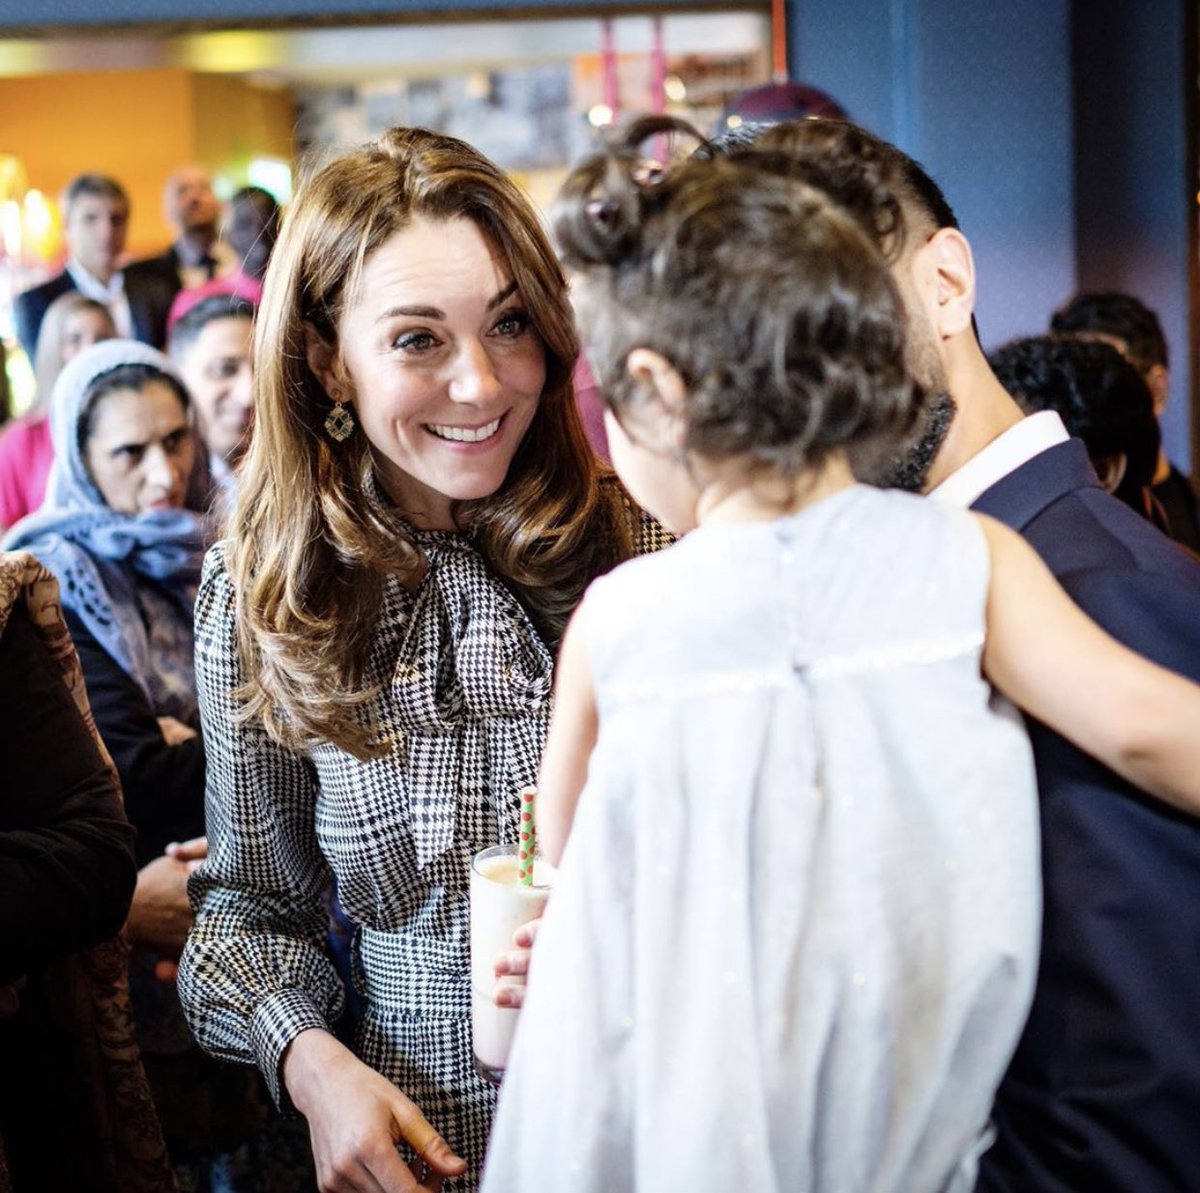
x=773 y=305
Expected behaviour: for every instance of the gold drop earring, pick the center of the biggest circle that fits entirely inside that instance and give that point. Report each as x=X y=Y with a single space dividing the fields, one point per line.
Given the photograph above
x=339 y=425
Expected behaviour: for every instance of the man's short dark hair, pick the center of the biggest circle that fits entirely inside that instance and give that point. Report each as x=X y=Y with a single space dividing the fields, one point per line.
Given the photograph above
x=884 y=188
x=1099 y=395
x=99 y=185
x=187 y=328
x=1118 y=315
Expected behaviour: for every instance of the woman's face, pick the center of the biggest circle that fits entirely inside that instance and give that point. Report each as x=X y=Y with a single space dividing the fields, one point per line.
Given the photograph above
x=442 y=365
x=140 y=450
x=82 y=328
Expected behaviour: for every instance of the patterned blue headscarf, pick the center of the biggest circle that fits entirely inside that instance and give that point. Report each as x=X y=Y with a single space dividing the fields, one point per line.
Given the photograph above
x=131 y=579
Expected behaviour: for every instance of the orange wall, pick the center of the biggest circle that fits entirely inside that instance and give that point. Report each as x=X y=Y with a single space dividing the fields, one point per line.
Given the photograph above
x=139 y=125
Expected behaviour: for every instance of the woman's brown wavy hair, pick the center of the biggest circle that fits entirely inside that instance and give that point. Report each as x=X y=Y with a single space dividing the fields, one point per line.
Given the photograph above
x=312 y=539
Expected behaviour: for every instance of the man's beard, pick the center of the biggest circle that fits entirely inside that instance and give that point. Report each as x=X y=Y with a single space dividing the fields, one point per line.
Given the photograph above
x=909 y=469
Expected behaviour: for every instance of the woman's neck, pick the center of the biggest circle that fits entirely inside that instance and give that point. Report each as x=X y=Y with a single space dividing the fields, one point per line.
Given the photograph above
x=731 y=496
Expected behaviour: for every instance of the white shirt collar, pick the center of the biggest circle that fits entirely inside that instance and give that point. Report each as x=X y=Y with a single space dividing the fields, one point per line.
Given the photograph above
x=1006 y=453
x=92 y=287
x=111 y=294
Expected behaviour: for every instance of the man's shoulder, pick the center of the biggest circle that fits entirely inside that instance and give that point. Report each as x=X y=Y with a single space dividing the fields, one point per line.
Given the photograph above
x=46 y=292
x=1055 y=502
x=1089 y=530
x=1142 y=587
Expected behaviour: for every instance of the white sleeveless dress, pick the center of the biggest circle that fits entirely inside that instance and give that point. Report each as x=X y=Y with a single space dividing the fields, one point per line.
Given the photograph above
x=796 y=932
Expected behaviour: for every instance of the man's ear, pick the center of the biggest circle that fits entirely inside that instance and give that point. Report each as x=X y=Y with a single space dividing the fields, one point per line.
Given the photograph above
x=326 y=364
x=1159 y=381
x=951 y=268
x=662 y=415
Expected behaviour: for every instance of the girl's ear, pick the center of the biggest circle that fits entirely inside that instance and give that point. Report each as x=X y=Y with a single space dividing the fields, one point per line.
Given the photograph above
x=662 y=415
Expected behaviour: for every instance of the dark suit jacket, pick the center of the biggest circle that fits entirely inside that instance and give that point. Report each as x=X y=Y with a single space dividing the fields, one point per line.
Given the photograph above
x=149 y=291
x=1103 y=1093
x=165 y=267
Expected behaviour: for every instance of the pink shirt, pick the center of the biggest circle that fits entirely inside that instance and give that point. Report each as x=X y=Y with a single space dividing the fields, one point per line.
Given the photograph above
x=237 y=283
x=26 y=454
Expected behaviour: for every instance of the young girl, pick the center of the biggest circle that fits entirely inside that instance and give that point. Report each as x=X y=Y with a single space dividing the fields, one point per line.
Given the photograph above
x=795 y=935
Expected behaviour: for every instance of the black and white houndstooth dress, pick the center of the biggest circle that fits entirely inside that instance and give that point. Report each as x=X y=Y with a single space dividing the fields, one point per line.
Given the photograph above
x=464 y=692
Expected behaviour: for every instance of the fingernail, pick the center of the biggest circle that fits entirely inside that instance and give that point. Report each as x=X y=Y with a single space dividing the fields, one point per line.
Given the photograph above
x=439 y=1150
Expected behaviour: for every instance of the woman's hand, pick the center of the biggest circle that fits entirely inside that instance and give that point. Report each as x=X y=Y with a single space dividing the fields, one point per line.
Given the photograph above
x=192 y=852
x=160 y=916
x=174 y=732
x=515 y=964
x=356 y=1119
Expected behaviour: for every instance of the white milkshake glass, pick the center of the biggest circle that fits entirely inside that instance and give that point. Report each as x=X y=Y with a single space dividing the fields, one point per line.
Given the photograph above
x=499 y=906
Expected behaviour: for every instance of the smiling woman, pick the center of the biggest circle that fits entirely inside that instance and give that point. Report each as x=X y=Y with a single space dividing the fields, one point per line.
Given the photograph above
x=418 y=515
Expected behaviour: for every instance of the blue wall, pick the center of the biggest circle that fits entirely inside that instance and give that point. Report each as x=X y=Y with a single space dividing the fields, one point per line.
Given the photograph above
x=1134 y=196
x=980 y=94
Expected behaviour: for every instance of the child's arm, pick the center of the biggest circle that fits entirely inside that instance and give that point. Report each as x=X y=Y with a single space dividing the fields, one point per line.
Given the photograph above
x=1053 y=661
x=568 y=746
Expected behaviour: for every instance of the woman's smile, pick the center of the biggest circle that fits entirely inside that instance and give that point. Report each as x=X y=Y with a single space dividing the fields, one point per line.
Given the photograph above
x=467 y=435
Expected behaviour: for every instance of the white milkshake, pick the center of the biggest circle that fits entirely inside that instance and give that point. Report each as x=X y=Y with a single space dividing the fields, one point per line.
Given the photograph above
x=499 y=906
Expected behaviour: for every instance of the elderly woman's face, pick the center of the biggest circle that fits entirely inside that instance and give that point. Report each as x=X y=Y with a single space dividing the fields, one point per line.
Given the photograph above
x=140 y=450
x=442 y=365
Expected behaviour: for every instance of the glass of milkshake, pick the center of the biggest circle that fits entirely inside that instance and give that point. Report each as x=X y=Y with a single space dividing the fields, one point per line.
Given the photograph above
x=499 y=906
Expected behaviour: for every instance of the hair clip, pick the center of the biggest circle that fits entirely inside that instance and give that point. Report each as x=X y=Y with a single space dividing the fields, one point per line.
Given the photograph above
x=602 y=212
x=649 y=172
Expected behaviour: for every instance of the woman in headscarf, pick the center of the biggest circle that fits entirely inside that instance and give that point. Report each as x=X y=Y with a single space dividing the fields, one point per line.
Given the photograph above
x=121 y=531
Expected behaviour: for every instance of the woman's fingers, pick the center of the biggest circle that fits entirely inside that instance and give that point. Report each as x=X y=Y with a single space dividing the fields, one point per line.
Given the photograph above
x=194 y=850
x=429 y=1146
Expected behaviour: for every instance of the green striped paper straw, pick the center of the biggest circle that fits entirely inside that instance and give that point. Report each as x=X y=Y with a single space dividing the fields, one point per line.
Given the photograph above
x=527 y=838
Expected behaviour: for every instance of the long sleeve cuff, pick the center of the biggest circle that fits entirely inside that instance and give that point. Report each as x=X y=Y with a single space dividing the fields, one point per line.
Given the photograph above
x=278 y=1020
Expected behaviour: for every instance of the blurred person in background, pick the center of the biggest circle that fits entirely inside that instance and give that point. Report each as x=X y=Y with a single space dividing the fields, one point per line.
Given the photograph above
x=72 y=322
x=1101 y=399
x=196 y=255
x=1134 y=330
x=212 y=346
x=95 y=224
x=251 y=229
